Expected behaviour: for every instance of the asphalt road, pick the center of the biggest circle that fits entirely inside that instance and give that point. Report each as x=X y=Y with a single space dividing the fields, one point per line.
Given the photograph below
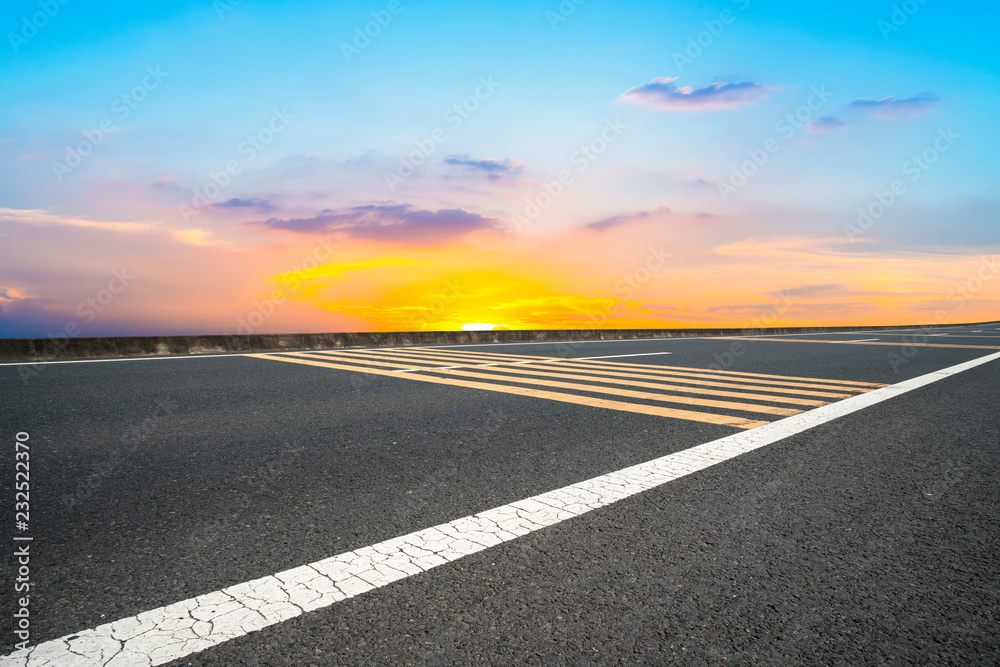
x=870 y=539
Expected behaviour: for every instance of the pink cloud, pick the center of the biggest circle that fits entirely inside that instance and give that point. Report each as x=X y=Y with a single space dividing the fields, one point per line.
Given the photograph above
x=662 y=93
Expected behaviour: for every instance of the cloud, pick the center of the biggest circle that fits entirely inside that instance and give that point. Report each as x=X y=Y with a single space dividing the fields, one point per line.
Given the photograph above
x=614 y=221
x=27 y=317
x=808 y=290
x=43 y=218
x=890 y=107
x=825 y=125
x=491 y=165
x=663 y=94
x=390 y=222
x=482 y=326
x=262 y=205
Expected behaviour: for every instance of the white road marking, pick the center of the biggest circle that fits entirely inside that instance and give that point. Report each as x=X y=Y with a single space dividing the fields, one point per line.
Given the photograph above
x=866 y=340
x=344 y=349
x=617 y=356
x=405 y=347
x=161 y=635
x=165 y=357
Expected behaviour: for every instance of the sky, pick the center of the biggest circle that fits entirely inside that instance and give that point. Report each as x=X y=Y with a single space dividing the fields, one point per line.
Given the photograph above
x=276 y=167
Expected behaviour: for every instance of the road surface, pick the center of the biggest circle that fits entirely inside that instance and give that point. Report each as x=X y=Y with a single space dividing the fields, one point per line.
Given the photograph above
x=811 y=499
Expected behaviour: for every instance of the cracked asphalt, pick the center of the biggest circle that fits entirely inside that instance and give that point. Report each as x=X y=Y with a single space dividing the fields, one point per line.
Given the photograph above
x=871 y=539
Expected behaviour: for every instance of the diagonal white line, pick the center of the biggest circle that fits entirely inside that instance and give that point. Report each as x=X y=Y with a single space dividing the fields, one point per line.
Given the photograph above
x=161 y=635
x=617 y=356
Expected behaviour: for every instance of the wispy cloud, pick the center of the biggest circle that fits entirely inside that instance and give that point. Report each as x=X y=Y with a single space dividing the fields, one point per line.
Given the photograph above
x=891 y=107
x=42 y=218
x=492 y=165
x=262 y=205
x=615 y=221
x=808 y=290
x=662 y=93
x=399 y=223
x=825 y=125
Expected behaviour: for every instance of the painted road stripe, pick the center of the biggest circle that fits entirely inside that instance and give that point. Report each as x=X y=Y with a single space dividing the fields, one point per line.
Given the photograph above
x=627 y=379
x=656 y=411
x=688 y=378
x=676 y=373
x=842 y=342
x=478 y=356
x=952 y=335
x=467 y=345
x=738 y=375
x=169 y=633
x=395 y=362
x=453 y=358
x=697 y=376
x=629 y=393
x=440 y=358
x=775 y=377
x=362 y=364
x=595 y=389
x=618 y=356
x=392 y=359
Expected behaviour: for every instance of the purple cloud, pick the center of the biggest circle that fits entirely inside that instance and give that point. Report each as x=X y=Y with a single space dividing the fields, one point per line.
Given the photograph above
x=661 y=93
x=890 y=107
x=491 y=165
x=614 y=221
x=262 y=205
x=390 y=222
x=825 y=125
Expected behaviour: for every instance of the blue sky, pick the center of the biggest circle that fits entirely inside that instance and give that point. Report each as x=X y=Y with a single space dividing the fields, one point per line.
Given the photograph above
x=561 y=71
